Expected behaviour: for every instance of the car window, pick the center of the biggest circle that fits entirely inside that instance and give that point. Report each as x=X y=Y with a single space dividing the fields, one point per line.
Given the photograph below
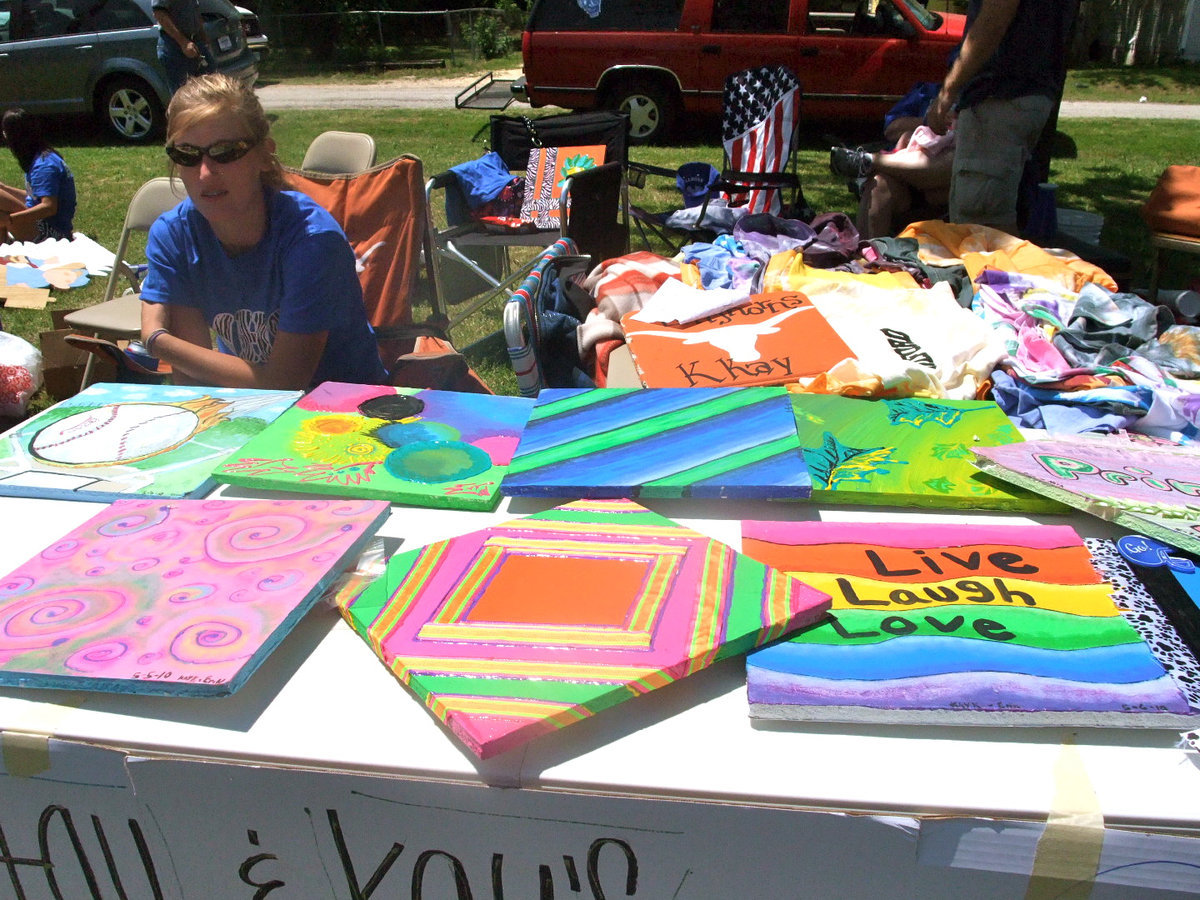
x=930 y=20
x=5 y=18
x=862 y=18
x=115 y=15
x=751 y=16
x=45 y=18
x=606 y=15
x=831 y=16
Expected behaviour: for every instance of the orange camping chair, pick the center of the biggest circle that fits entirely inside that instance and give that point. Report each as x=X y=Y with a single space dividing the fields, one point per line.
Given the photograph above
x=382 y=211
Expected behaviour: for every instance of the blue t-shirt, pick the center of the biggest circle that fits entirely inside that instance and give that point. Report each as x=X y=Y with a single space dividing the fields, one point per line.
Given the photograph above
x=300 y=278
x=50 y=177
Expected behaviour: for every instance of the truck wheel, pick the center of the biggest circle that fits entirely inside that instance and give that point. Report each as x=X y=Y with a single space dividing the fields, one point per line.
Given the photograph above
x=130 y=110
x=652 y=110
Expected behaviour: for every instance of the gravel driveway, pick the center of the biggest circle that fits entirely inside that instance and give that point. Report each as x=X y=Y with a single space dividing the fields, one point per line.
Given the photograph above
x=402 y=92
x=412 y=92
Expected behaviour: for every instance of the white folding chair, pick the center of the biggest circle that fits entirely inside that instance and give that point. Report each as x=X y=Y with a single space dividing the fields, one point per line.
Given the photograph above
x=120 y=318
x=340 y=153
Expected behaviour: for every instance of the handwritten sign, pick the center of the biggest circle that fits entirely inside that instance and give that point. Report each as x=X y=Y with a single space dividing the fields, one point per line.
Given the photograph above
x=99 y=823
x=770 y=339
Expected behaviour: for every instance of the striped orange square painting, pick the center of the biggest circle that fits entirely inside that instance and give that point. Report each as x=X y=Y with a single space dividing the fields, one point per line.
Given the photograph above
x=520 y=629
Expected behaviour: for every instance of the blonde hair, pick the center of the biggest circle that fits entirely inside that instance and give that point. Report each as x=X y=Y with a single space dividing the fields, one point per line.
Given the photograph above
x=208 y=96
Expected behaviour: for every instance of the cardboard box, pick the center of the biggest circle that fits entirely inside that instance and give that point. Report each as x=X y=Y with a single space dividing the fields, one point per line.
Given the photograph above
x=63 y=365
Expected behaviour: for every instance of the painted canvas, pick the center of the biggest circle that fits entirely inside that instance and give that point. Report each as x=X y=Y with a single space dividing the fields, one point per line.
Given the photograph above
x=965 y=624
x=408 y=445
x=659 y=442
x=521 y=629
x=119 y=440
x=770 y=339
x=546 y=175
x=1153 y=491
x=907 y=452
x=177 y=597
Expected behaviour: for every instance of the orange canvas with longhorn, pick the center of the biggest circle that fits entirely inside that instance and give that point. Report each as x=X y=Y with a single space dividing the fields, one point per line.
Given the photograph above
x=770 y=339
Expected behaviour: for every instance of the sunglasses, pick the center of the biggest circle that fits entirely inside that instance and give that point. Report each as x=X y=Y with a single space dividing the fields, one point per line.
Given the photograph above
x=223 y=152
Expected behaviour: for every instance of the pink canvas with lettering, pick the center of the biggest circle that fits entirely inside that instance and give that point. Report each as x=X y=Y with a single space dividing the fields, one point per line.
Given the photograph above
x=1151 y=490
x=182 y=597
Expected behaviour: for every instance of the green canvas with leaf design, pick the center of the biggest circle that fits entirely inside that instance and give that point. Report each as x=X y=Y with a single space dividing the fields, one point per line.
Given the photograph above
x=909 y=452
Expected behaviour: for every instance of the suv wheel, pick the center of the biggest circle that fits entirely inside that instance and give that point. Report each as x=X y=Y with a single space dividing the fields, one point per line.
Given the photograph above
x=651 y=107
x=130 y=110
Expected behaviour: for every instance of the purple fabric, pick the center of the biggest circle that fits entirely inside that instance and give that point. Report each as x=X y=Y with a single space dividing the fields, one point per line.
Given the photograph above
x=1069 y=412
x=763 y=233
x=836 y=241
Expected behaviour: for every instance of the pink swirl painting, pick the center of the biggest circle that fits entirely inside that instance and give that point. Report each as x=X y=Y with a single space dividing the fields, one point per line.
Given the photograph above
x=178 y=597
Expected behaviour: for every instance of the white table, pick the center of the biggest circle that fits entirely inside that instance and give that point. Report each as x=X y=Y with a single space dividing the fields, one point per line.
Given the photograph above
x=707 y=800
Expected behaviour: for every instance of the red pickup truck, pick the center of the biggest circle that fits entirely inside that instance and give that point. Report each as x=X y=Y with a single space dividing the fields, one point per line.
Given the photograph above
x=656 y=59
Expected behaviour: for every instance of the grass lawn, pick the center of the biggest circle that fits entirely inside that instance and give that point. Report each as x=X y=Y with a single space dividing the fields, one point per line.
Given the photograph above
x=1169 y=84
x=1102 y=166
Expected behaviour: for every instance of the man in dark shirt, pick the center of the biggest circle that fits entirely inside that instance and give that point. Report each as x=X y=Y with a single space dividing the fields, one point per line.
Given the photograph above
x=182 y=47
x=1003 y=87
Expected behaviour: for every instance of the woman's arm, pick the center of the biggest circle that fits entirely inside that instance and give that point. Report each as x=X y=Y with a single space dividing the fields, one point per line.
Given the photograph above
x=157 y=317
x=187 y=347
x=13 y=198
x=167 y=24
x=22 y=224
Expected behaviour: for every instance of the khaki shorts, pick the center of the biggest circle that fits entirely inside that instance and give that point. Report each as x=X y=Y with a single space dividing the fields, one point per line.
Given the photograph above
x=993 y=142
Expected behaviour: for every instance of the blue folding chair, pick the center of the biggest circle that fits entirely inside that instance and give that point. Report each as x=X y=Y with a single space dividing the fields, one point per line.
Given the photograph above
x=539 y=327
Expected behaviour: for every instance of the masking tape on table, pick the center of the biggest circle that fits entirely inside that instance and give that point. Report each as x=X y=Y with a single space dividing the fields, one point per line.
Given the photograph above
x=27 y=753
x=1068 y=852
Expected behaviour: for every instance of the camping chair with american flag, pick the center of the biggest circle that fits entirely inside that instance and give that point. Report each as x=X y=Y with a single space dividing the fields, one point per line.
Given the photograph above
x=759 y=123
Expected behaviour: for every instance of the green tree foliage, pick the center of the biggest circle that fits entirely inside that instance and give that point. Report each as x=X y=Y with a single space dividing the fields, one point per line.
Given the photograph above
x=338 y=31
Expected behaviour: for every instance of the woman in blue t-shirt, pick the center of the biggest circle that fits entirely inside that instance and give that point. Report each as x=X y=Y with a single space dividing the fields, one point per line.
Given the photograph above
x=45 y=208
x=268 y=271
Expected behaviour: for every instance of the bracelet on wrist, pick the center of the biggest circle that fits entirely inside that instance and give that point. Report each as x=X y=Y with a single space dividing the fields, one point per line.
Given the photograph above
x=148 y=343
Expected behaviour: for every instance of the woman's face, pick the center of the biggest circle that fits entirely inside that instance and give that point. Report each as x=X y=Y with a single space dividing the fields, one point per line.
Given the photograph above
x=228 y=195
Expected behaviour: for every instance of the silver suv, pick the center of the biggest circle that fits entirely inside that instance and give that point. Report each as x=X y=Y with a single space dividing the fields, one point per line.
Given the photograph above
x=99 y=57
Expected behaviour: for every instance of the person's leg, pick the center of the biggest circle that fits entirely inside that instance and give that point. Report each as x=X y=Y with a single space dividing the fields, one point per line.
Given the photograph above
x=884 y=200
x=917 y=168
x=17 y=231
x=993 y=141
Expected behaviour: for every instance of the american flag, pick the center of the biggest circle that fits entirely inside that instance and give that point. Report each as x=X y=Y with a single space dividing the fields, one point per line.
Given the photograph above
x=760 y=109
